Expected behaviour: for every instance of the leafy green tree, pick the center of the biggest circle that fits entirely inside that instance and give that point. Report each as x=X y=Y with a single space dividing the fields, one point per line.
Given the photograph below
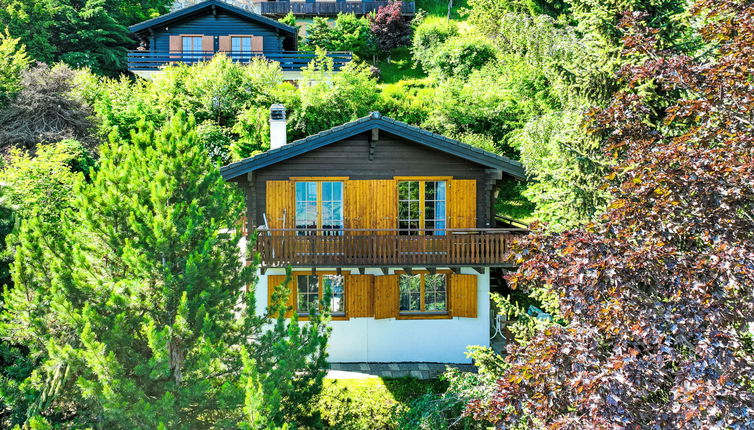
x=13 y=61
x=288 y=19
x=461 y=55
x=429 y=35
x=139 y=316
x=331 y=99
x=349 y=33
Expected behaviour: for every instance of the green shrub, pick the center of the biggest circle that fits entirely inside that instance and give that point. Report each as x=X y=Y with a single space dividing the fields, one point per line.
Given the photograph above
x=371 y=404
x=461 y=55
x=349 y=33
x=428 y=37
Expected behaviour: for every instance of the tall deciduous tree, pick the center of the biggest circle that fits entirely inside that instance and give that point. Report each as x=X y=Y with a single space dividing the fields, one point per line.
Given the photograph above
x=659 y=292
x=13 y=61
x=142 y=315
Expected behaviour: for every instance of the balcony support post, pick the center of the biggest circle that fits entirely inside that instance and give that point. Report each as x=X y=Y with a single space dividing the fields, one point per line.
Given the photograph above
x=479 y=270
x=409 y=271
x=385 y=270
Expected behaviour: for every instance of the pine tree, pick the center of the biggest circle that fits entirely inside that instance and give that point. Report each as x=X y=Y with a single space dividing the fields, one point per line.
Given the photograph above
x=139 y=317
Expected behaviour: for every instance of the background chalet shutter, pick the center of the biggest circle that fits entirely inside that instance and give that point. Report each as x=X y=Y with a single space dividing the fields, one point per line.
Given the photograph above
x=463 y=295
x=462 y=203
x=175 y=45
x=385 y=204
x=279 y=208
x=257 y=43
x=208 y=43
x=385 y=296
x=224 y=44
x=358 y=205
x=359 y=296
x=272 y=282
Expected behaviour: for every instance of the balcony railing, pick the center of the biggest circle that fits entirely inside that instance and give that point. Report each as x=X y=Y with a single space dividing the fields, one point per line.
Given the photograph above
x=329 y=8
x=289 y=60
x=385 y=248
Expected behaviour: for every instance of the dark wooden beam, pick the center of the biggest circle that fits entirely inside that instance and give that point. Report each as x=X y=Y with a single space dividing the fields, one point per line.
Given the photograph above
x=479 y=270
x=338 y=271
x=408 y=270
x=362 y=270
x=314 y=271
x=373 y=142
x=262 y=270
x=432 y=270
x=455 y=270
x=385 y=270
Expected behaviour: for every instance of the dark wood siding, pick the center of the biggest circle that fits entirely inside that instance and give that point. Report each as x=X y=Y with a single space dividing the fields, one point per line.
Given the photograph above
x=223 y=24
x=393 y=156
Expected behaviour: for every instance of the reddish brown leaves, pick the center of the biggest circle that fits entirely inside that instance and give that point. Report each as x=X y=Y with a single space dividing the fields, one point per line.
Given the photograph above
x=659 y=291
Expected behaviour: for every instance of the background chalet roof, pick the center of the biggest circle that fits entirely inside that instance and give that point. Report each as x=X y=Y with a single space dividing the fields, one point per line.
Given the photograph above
x=180 y=13
x=375 y=120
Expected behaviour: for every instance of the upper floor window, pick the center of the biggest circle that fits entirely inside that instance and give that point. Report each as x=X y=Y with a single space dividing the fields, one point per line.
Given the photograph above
x=423 y=292
x=240 y=45
x=311 y=289
x=421 y=207
x=192 y=45
x=319 y=205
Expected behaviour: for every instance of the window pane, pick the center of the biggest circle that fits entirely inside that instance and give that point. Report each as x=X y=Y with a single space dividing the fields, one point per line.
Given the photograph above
x=410 y=293
x=235 y=44
x=306 y=207
x=308 y=292
x=247 y=44
x=337 y=287
x=435 y=293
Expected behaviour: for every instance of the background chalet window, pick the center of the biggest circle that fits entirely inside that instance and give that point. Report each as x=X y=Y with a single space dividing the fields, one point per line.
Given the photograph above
x=240 y=45
x=319 y=205
x=421 y=205
x=192 y=45
x=311 y=289
x=423 y=293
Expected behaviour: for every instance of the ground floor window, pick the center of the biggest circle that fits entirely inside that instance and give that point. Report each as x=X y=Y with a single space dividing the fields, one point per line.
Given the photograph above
x=423 y=293
x=311 y=288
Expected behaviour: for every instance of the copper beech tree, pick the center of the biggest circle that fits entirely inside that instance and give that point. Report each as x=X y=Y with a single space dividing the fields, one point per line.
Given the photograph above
x=658 y=294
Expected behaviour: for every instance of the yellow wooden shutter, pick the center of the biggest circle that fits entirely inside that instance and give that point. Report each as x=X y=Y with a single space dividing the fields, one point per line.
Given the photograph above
x=279 y=208
x=385 y=204
x=224 y=44
x=208 y=43
x=359 y=296
x=462 y=203
x=257 y=43
x=385 y=296
x=358 y=205
x=463 y=296
x=272 y=282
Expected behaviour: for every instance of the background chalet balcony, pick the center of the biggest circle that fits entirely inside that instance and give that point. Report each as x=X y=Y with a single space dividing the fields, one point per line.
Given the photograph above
x=385 y=248
x=289 y=60
x=328 y=8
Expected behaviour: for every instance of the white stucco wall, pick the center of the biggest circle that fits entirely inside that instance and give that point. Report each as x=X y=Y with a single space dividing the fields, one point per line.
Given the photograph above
x=391 y=340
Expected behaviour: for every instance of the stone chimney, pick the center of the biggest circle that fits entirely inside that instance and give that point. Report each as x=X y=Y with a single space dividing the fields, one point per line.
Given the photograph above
x=278 y=135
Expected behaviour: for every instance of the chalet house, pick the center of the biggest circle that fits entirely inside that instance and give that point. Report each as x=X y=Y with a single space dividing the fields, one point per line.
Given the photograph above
x=197 y=33
x=398 y=222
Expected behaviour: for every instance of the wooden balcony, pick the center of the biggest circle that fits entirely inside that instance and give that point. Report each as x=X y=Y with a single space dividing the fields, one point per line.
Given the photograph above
x=289 y=60
x=385 y=248
x=328 y=8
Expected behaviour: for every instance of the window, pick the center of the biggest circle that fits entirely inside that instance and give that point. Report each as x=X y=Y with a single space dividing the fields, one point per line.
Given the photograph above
x=319 y=205
x=421 y=207
x=311 y=289
x=240 y=45
x=308 y=293
x=423 y=293
x=192 y=45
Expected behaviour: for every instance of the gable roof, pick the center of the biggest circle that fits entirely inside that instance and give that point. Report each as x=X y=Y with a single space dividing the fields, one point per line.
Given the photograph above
x=375 y=120
x=180 y=13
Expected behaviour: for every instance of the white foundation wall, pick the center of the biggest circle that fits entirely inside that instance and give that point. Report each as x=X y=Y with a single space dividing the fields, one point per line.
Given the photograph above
x=391 y=340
